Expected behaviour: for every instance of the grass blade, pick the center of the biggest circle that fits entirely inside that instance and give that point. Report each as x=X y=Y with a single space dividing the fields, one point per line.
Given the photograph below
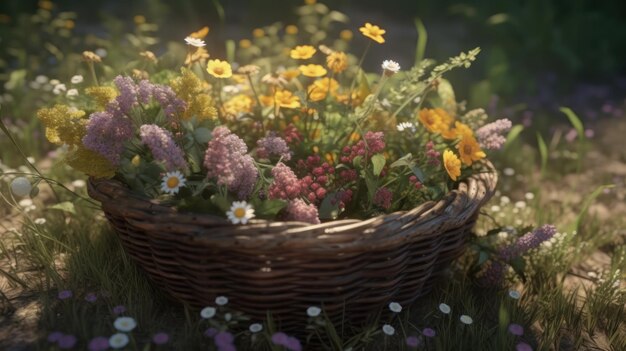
x=422 y=38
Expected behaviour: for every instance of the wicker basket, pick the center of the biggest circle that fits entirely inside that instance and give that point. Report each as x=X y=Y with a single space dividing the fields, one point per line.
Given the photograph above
x=351 y=267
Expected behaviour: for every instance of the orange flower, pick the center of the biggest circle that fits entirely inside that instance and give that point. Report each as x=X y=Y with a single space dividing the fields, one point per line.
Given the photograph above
x=373 y=32
x=312 y=70
x=452 y=164
x=302 y=52
x=470 y=150
x=200 y=34
x=337 y=61
x=462 y=129
x=291 y=29
x=285 y=99
x=219 y=69
x=430 y=119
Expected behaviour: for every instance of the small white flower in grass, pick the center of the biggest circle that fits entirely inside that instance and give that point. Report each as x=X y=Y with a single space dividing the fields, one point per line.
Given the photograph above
x=124 y=324
x=390 y=67
x=444 y=308
x=72 y=93
x=78 y=183
x=59 y=88
x=228 y=317
x=514 y=294
x=520 y=204
x=172 y=182
x=495 y=208
x=395 y=307
x=529 y=196
x=406 y=126
x=313 y=311
x=221 y=300
x=465 y=319
x=119 y=340
x=77 y=79
x=240 y=212
x=208 y=312
x=255 y=327
x=505 y=200
x=389 y=330
x=102 y=52
x=509 y=171
x=40 y=221
x=55 y=82
x=195 y=42
x=41 y=79
x=21 y=186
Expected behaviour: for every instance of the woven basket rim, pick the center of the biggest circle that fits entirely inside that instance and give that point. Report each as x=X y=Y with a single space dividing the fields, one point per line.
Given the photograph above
x=345 y=235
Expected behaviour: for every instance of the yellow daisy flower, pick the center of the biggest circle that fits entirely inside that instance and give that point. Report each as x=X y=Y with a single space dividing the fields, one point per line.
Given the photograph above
x=430 y=119
x=373 y=32
x=219 y=69
x=470 y=150
x=302 y=52
x=452 y=164
x=337 y=61
x=285 y=99
x=320 y=88
x=312 y=70
x=462 y=129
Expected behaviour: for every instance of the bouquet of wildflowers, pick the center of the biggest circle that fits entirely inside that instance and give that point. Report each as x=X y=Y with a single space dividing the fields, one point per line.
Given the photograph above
x=289 y=128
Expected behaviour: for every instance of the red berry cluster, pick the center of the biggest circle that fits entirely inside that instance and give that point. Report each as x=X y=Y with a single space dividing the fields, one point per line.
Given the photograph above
x=432 y=154
x=318 y=176
x=416 y=183
x=291 y=134
x=373 y=143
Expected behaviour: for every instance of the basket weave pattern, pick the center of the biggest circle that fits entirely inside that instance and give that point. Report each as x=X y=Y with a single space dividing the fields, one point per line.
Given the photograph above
x=350 y=267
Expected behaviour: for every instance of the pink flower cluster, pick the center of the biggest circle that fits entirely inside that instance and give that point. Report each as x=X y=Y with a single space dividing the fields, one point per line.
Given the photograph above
x=383 y=198
x=373 y=143
x=163 y=147
x=490 y=136
x=291 y=134
x=286 y=185
x=226 y=160
x=317 y=178
x=298 y=210
x=432 y=154
x=273 y=145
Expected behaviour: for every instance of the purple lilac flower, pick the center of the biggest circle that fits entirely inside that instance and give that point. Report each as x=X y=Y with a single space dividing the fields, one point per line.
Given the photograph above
x=285 y=184
x=494 y=274
x=273 y=145
x=67 y=342
x=163 y=147
x=412 y=341
x=166 y=97
x=226 y=160
x=429 y=332
x=127 y=98
x=106 y=135
x=144 y=91
x=522 y=346
x=528 y=242
x=91 y=297
x=99 y=343
x=55 y=336
x=516 y=329
x=211 y=332
x=298 y=210
x=490 y=135
x=293 y=344
x=65 y=294
x=119 y=309
x=224 y=341
x=289 y=342
x=160 y=338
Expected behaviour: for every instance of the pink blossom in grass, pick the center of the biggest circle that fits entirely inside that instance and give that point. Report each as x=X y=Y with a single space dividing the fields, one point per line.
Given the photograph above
x=285 y=184
x=67 y=342
x=227 y=161
x=298 y=210
x=211 y=332
x=91 y=297
x=160 y=338
x=289 y=342
x=99 y=343
x=224 y=341
x=490 y=136
x=273 y=145
x=429 y=332
x=516 y=329
x=119 y=309
x=65 y=294
x=54 y=336
x=383 y=198
x=522 y=346
x=163 y=148
x=412 y=341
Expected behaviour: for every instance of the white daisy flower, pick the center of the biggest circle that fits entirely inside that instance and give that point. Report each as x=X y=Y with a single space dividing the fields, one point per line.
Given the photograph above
x=124 y=324
x=172 y=182
x=40 y=221
x=240 y=212
x=408 y=126
x=221 y=300
x=55 y=82
x=395 y=307
x=21 y=186
x=208 y=312
x=255 y=327
x=514 y=294
x=389 y=330
x=313 y=311
x=444 y=308
x=77 y=79
x=195 y=42
x=72 y=92
x=59 y=88
x=465 y=319
x=390 y=67
x=119 y=340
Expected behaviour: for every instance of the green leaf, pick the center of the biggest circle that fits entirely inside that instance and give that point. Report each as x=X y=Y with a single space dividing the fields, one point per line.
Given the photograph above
x=587 y=203
x=422 y=39
x=403 y=161
x=482 y=257
x=202 y=135
x=518 y=264
x=64 y=206
x=514 y=133
x=269 y=208
x=356 y=162
x=221 y=202
x=329 y=208
x=378 y=163
x=419 y=174
x=543 y=152
x=574 y=120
